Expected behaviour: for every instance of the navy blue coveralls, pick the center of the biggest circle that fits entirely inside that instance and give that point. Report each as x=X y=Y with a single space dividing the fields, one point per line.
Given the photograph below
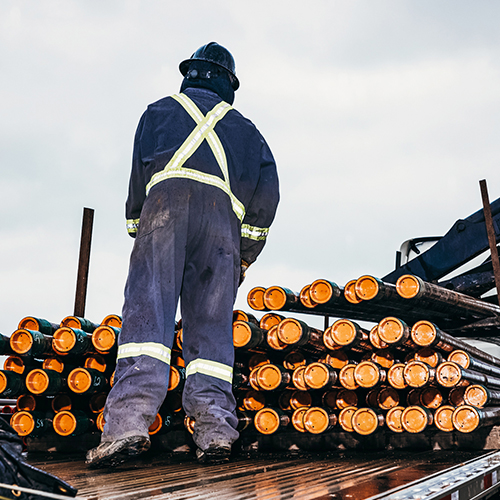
x=203 y=192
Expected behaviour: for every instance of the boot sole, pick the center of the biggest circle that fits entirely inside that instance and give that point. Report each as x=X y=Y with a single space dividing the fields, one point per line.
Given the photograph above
x=120 y=453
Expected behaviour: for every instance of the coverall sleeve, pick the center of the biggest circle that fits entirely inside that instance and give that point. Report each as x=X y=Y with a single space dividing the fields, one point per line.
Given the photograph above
x=143 y=142
x=261 y=209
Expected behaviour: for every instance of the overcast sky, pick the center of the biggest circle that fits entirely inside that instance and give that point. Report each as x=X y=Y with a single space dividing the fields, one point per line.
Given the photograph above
x=383 y=115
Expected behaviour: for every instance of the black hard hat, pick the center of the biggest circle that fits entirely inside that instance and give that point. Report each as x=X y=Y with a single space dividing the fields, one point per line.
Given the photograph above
x=216 y=54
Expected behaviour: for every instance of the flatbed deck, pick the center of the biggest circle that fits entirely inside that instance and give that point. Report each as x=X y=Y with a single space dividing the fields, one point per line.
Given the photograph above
x=346 y=475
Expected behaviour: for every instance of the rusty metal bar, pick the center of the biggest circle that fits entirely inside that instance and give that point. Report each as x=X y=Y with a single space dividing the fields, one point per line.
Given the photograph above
x=84 y=262
x=491 y=234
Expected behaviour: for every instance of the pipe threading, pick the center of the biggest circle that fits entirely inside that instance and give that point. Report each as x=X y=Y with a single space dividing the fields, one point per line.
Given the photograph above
x=64 y=423
x=112 y=320
x=345 y=333
x=448 y=374
x=239 y=315
x=460 y=358
x=156 y=426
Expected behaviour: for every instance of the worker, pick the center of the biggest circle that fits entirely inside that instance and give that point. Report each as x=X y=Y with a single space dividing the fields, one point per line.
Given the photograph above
x=203 y=193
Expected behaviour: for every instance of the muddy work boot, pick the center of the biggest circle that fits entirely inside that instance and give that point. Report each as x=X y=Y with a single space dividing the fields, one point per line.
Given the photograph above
x=113 y=453
x=213 y=455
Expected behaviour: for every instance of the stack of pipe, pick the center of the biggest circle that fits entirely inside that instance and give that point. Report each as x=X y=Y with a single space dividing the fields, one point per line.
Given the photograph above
x=287 y=374
x=59 y=375
x=409 y=378
x=422 y=377
x=368 y=298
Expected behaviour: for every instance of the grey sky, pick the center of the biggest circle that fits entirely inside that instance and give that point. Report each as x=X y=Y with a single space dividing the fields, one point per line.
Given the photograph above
x=382 y=116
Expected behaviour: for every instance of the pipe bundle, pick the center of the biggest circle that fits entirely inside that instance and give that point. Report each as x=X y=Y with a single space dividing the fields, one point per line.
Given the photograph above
x=288 y=375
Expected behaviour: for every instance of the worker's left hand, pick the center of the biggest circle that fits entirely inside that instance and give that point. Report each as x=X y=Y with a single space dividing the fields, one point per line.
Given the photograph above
x=243 y=270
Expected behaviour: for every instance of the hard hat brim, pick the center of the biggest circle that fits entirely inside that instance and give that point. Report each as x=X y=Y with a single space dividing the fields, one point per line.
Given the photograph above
x=184 y=67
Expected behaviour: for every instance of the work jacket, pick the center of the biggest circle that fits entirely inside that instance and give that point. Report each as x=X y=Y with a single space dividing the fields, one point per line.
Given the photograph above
x=197 y=136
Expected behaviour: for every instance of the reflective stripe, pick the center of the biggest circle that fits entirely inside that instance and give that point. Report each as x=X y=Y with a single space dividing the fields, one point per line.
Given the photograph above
x=132 y=225
x=151 y=349
x=203 y=131
x=254 y=233
x=210 y=368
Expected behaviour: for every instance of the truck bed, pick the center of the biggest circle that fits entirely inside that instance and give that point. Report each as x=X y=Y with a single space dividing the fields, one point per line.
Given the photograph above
x=443 y=474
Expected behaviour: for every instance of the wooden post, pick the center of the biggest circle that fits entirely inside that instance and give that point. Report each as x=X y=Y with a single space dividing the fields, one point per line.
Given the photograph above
x=491 y=235
x=83 y=262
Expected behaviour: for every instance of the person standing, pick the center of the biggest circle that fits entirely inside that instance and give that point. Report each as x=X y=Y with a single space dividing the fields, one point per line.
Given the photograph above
x=203 y=193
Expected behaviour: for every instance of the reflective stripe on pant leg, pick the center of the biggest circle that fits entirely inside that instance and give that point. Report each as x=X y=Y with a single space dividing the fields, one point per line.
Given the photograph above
x=151 y=349
x=210 y=368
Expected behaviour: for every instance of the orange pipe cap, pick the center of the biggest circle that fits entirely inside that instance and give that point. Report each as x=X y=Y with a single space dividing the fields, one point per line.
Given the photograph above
x=321 y=291
x=103 y=338
x=255 y=298
x=407 y=286
x=37 y=381
x=443 y=418
x=79 y=380
x=267 y=421
x=64 y=423
x=22 y=422
x=423 y=333
x=415 y=419
x=393 y=419
x=465 y=419
x=365 y=421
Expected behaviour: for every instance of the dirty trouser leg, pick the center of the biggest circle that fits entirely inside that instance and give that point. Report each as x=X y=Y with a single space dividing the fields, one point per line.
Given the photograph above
x=151 y=297
x=207 y=299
